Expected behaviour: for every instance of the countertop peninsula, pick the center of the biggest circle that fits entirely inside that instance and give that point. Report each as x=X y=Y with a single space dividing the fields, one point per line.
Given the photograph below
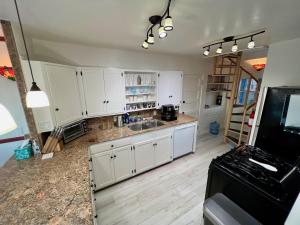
x=57 y=191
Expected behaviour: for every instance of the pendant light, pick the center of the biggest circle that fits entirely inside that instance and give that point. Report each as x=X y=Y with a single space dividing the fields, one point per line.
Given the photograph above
x=7 y=122
x=235 y=47
x=219 y=50
x=168 y=23
x=35 y=98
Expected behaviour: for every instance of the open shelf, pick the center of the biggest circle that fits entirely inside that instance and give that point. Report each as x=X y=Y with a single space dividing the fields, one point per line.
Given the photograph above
x=142 y=85
x=143 y=109
x=149 y=93
x=137 y=102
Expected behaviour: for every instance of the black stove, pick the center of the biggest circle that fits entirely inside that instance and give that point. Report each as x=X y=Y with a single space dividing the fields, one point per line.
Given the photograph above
x=264 y=180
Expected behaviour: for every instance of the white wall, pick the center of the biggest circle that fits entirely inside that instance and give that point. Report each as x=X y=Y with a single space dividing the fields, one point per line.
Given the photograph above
x=283 y=68
x=82 y=55
x=11 y=100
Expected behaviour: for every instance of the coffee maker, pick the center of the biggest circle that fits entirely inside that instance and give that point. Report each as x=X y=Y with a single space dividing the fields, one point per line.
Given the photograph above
x=168 y=113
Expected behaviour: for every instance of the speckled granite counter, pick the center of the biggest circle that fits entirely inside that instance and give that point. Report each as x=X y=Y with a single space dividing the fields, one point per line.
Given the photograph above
x=56 y=191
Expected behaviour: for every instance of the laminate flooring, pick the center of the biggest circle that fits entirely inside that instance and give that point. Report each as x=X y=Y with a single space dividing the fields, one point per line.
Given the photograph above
x=171 y=194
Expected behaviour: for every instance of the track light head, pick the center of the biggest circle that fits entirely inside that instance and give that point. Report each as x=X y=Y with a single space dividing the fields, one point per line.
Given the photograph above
x=161 y=32
x=220 y=49
x=150 y=39
x=168 y=23
x=251 y=43
x=206 y=51
x=145 y=45
x=235 y=47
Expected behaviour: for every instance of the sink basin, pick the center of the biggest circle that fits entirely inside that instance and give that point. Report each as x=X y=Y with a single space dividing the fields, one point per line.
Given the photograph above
x=146 y=125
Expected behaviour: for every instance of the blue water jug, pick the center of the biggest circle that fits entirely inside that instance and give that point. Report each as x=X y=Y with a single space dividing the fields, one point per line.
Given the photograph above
x=214 y=128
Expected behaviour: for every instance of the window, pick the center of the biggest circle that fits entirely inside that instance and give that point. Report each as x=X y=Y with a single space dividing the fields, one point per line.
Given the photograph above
x=243 y=91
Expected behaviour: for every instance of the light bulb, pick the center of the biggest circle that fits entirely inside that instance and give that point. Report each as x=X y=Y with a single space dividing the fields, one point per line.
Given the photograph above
x=145 y=45
x=150 y=39
x=235 y=47
x=7 y=123
x=219 y=50
x=206 y=52
x=251 y=43
x=168 y=23
x=161 y=32
x=36 y=98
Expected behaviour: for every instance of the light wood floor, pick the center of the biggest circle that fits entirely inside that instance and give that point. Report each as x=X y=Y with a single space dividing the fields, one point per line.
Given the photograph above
x=171 y=194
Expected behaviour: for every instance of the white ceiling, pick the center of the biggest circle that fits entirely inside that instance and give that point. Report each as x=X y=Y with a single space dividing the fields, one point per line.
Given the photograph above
x=122 y=24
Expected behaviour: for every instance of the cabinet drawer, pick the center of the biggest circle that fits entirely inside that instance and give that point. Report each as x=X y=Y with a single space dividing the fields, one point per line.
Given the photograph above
x=109 y=145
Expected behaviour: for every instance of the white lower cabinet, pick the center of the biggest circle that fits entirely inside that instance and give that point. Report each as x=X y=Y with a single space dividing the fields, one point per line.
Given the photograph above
x=120 y=159
x=122 y=163
x=144 y=156
x=163 y=150
x=112 y=166
x=103 y=169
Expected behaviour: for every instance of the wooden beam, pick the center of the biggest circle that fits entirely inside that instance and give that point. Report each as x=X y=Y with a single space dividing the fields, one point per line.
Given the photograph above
x=16 y=64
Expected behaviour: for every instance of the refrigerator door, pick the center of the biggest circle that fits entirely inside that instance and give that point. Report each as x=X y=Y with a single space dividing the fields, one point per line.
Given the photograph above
x=183 y=140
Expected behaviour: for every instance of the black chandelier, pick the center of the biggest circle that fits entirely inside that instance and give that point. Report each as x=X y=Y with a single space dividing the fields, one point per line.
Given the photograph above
x=235 y=47
x=165 y=24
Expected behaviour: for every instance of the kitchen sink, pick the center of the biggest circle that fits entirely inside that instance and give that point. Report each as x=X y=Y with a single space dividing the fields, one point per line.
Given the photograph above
x=146 y=125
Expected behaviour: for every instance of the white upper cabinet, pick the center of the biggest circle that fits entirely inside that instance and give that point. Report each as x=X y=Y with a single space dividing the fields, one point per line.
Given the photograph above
x=104 y=91
x=169 y=88
x=94 y=91
x=65 y=94
x=114 y=90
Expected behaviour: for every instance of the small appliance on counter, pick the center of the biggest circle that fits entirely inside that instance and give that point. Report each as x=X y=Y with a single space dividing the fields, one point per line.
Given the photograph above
x=264 y=180
x=168 y=113
x=74 y=130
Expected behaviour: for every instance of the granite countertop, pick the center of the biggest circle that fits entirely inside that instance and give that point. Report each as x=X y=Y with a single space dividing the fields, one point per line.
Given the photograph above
x=57 y=191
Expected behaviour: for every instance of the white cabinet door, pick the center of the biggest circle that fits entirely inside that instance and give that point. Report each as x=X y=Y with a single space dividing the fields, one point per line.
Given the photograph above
x=122 y=163
x=176 y=87
x=94 y=92
x=169 y=87
x=103 y=169
x=163 y=150
x=115 y=91
x=144 y=156
x=65 y=93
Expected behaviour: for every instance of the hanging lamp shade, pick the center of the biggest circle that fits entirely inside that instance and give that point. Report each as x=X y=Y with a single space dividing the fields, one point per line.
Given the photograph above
x=36 y=98
x=7 y=122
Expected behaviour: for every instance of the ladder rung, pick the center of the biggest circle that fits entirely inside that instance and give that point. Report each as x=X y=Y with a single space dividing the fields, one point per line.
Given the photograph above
x=220 y=83
x=238 y=132
x=221 y=75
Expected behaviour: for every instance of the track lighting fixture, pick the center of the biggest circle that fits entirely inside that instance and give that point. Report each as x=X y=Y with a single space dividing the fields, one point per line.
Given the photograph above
x=168 y=23
x=35 y=98
x=234 y=47
x=164 y=23
x=220 y=49
x=161 y=32
x=145 y=45
x=206 y=52
x=150 y=39
x=251 y=43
